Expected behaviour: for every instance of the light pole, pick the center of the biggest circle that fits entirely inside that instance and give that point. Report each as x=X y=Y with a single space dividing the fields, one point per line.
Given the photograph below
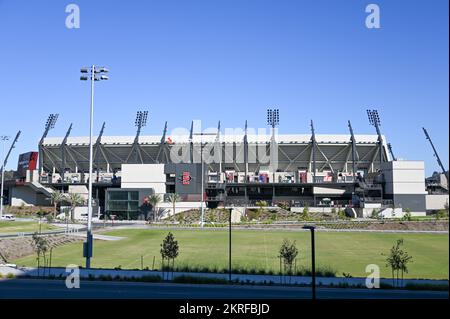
x=93 y=73
x=273 y=120
x=3 y=138
x=229 y=245
x=313 y=260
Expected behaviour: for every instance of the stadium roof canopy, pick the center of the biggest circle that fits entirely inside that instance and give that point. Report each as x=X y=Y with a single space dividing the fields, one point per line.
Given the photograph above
x=333 y=152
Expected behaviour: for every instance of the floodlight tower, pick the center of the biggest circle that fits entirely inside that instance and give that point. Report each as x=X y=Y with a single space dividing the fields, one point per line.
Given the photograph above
x=49 y=124
x=374 y=120
x=273 y=120
x=139 y=122
x=93 y=73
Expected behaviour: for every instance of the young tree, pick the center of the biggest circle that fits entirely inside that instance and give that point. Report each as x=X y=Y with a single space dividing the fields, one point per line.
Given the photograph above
x=288 y=252
x=261 y=204
x=56 y=198
x=169 y=249
x=440 y=214
x=41 y=247
x=305 y=212
x=173 y=198
x=398 y=260
x=75 y=200
x=407 y=216
x=154 y=200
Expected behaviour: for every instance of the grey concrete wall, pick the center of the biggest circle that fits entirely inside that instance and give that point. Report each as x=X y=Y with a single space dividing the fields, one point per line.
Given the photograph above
x=436 y=202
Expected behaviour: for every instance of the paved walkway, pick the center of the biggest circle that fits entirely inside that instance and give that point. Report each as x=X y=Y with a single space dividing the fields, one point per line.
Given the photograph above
x=275 y=279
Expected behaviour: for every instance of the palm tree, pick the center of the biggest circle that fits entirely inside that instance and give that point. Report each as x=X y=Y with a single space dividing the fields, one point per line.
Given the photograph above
x=261 y=204
x=56 y=198
x=173 y=198
x=75 y=200
x=154 y=200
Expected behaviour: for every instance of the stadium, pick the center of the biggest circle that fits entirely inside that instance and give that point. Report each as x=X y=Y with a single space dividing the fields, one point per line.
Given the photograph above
x=356 y=172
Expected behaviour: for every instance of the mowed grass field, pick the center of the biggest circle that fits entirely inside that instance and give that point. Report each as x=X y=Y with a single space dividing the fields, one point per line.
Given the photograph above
x=348 y=252
x=26 y=227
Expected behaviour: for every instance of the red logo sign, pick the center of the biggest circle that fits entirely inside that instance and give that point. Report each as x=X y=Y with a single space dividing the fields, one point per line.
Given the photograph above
x=186 y=178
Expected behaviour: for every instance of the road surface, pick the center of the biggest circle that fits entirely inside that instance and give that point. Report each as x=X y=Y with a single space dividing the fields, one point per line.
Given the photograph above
x=36 y=288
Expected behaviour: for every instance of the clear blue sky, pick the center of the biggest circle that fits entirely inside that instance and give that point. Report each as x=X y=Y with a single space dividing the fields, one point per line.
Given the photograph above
x=229 y=60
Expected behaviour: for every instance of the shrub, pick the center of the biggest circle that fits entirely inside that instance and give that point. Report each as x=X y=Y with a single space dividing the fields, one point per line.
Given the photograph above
x=407 y=216
x=418 y=286
x=105 y=277
x=375 y=214
x=198 y=280
x=150 y=279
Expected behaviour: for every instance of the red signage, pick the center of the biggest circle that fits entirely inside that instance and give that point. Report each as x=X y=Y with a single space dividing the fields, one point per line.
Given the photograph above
x=186 y=178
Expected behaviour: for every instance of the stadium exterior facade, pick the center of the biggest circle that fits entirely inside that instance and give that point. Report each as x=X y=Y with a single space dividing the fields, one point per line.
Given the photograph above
x=238 y=170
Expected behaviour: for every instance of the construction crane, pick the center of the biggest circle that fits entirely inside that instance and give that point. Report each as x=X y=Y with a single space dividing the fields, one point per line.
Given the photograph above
x=436 y=155
x=5 y=161
x=392 y=152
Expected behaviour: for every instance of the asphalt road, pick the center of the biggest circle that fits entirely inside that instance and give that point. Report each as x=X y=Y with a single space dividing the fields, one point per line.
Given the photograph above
x=43 y=289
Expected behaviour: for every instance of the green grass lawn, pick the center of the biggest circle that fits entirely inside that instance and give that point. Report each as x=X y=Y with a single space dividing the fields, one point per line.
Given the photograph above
x=347 y=252
x=19 y=226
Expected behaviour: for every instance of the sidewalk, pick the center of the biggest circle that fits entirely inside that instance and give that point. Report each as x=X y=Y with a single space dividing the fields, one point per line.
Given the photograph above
x=261 y=279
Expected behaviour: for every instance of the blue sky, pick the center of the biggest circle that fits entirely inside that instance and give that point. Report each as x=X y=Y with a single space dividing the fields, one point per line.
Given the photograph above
x=229 y=60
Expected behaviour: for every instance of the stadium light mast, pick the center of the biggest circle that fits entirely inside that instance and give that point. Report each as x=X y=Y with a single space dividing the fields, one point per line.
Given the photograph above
x=93 y=73
x=4 y=138
x=374 y=120
x=49 y=124
x=273 y=120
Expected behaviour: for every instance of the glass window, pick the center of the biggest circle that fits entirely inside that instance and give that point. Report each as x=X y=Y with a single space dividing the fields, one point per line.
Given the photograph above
x=134 y=195
x=117 y=195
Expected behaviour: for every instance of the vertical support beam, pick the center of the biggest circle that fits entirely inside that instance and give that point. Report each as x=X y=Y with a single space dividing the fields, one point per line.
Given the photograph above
x=313 y=150
x=219 y=142
x=63 y=153
x=353 y=141
x=191 y=142
x=162 y=146
x=97 y=147
x=246 y=149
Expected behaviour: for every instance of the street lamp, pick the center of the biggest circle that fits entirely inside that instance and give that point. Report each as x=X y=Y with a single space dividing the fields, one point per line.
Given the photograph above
x=93 y=73
x=229 y=245
x=313 y=260
x=3 y=138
